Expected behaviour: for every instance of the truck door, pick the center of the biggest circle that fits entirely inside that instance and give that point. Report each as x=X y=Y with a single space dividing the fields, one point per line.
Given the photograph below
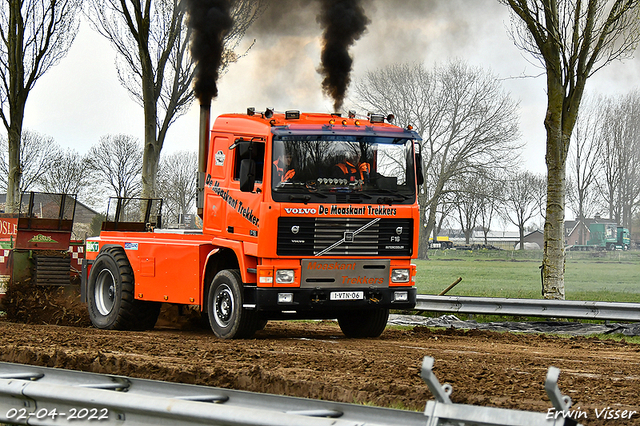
x=244 y=211
x=219 y=162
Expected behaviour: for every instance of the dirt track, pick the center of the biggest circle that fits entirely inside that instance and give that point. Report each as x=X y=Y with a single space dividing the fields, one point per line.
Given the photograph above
x=314 y=360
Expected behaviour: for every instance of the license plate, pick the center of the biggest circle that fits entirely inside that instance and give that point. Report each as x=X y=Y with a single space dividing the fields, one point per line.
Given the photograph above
x=347 y=295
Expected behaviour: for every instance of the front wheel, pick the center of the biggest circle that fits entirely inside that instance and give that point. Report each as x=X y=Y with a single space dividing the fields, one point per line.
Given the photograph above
x=227 y=317
x=364 y=323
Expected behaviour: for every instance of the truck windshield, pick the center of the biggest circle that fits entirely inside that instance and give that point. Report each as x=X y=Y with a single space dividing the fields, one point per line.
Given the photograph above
x=342 y=168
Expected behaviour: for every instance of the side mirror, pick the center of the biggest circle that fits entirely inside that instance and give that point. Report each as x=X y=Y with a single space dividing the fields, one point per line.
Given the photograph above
x=247 y=175
x=418 y=160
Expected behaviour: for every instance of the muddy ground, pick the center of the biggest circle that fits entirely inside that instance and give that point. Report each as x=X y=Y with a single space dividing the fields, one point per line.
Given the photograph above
x=314 y=360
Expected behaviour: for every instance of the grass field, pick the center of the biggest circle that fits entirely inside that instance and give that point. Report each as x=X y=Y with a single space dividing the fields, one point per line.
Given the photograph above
x=607 y=276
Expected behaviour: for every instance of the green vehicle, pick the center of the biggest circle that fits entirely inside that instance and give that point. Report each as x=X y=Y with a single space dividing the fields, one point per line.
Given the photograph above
x=608 y=236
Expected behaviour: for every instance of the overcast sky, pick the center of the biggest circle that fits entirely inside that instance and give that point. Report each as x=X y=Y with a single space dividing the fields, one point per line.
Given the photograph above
x=81 y=99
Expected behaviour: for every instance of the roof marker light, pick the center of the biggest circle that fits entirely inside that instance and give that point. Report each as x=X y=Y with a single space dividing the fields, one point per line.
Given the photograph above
x=376 y=118
x=251 y=111
x=291 y=115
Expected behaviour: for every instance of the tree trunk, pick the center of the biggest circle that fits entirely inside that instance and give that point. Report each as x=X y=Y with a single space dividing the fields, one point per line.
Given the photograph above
x=16 y=106
x=150 y=94
x=521 y=233
x=12 y=204
x=150 y=159
x=553 y=262
x=431 y=222
x=17 y=98
x=423 y=242
x=151 y=152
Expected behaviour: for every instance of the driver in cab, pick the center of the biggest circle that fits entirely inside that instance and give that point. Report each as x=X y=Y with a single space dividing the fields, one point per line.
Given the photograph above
x=352 y=169
x=282 y=168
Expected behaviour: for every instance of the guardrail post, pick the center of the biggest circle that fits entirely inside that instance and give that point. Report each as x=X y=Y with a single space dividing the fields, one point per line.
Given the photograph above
x=440 y=393
x=560 y=402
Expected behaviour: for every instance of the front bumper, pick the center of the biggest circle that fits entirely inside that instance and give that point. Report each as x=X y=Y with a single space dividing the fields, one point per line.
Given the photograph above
x=313 y=302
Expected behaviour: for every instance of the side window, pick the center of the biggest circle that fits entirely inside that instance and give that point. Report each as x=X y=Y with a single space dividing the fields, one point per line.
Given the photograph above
x=256 y=153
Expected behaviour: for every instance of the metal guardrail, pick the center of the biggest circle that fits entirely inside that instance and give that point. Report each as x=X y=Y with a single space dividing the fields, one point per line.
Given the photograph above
x=613 y=311
x=46 y=396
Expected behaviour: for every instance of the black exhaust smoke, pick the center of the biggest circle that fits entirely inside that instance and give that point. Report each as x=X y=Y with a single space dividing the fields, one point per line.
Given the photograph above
x=343 y=22
x=209 y=21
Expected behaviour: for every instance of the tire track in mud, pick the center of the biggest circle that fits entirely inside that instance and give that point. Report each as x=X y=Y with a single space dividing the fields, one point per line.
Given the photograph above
x=313 y=360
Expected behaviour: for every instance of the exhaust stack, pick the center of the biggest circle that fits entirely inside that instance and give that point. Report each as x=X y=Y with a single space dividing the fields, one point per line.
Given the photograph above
x=203 y=149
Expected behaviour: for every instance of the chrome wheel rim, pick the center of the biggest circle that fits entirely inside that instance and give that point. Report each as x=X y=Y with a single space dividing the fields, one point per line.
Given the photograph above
x=105 y=292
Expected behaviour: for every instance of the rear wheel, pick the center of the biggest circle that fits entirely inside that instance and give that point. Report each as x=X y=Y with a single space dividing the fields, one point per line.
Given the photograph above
x=364 y=323
x=110 y=294
x=227 y=317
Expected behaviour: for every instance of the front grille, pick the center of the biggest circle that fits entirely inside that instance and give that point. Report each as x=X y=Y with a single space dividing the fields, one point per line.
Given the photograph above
x=301 y=236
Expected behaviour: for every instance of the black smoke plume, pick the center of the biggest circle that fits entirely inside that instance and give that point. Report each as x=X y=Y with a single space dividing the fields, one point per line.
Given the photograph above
x=210 y=21
x=343 y=22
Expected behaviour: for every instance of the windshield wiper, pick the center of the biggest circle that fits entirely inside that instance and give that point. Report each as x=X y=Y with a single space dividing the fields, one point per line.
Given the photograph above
x=362 y=194
x=304 y=198
x=389 y=200
x=393 y=193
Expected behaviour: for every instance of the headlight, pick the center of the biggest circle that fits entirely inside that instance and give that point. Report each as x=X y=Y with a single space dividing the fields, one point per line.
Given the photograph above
x=284 y=276
x=400 y=276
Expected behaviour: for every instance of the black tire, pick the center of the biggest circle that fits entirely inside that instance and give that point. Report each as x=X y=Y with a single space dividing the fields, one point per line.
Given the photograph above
x=227 y=317
x=364 y=323
x=110 y=294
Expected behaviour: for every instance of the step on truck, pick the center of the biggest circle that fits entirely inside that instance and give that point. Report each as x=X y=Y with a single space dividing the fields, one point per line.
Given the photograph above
x=305 y=216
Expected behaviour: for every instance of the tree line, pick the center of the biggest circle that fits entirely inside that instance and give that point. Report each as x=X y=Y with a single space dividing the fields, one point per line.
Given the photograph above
x=151 y=40
x=604 y=178
x=111 y=168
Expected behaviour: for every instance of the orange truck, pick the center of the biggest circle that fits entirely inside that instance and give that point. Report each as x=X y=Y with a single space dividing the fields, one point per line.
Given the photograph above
x=305 y=216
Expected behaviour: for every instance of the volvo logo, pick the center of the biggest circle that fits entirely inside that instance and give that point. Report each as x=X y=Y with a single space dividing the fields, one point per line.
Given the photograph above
x=399 y=230
x=295 y=229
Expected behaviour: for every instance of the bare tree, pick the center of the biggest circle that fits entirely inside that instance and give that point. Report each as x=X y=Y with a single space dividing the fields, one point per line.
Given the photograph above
x=69 y=173
x=177 y=184
x=409 y=91
x=35 y=35
x=490 y=201
x=620 y=183
x=117 y=161
x=154 y=63
x=522 y=200
x=572 y=39
x=468 y=123
x=467 y=203
x=36 y=153
x=585 y=159
x=446 y=208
